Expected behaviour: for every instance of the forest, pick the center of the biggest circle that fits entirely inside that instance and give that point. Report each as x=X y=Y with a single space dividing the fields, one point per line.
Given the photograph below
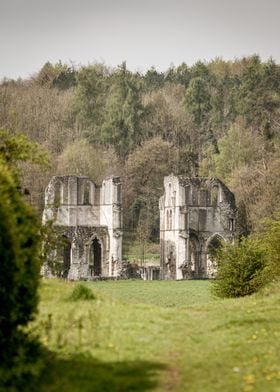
x=218 y=118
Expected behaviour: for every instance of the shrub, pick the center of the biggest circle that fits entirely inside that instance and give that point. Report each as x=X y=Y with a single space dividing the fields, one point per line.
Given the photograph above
x=19 y=278
x=270 y=242
x=20 y=355
x=81 y=292
x=241 y=269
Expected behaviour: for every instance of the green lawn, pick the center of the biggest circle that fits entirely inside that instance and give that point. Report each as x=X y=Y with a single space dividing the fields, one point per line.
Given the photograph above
x=134 y=251
x=158 y=336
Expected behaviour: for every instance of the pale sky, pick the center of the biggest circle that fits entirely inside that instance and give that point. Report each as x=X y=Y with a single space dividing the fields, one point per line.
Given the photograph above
x=143 y=33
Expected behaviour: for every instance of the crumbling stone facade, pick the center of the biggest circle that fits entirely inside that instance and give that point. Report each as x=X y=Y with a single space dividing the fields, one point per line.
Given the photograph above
x=196 y=216
x=89 y=220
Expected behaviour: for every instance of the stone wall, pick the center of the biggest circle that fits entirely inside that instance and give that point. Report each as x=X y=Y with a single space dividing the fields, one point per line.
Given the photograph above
x=195 y=214
x=89 y=219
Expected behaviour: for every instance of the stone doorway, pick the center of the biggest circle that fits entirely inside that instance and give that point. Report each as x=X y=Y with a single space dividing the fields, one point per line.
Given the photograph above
x=66 y=257
x=212 y=248
x=194 y=262
x=96 y=256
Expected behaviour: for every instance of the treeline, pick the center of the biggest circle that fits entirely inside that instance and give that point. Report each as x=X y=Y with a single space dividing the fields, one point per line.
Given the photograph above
x=219 y=118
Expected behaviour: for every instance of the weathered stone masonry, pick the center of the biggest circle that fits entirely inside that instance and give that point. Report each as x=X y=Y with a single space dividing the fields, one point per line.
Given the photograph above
x=89 y=218
x=196 y=215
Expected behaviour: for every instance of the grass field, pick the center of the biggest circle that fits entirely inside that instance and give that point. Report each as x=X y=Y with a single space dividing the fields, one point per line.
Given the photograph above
x=158 y=336
x=135 y=252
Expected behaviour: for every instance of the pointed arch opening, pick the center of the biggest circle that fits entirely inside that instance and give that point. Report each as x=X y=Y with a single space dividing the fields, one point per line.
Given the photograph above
x=95 y=257
x=87 y=196
x=215 y=195
x=66 y=257
x=58 y=194
x=194 y=263
x=213 y=246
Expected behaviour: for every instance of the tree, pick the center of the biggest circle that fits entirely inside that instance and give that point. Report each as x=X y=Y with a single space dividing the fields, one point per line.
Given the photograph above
x=153 y=79
x=256 y=188
x=270 y=239
x=238 y=148
x=241 y=269
x=197 y=104
x=90 y=98
x=145 y=170
x=19 y=268
x=197 y=100
x=83 y=159
x=18 y=148
x=56 y=75
x=123 y=113
x=258 y=94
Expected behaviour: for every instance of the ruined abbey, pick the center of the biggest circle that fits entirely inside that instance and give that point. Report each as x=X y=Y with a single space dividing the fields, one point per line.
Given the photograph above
x=89 y=220
x=196 y=216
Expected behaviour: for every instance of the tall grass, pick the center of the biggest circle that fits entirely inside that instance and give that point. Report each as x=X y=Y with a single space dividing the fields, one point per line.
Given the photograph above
x=159 y=336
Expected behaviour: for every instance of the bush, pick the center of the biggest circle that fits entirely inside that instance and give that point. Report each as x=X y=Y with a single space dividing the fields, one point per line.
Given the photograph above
x=19 y=278
x=270 y=242
x=241 y=269
x=81 y=292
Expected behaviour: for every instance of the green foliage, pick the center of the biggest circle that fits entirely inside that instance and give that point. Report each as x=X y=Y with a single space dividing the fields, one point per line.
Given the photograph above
x=51 y=240
x=90 y=98
x=145 y=170
x=241 y=269
x=123 y=113
x=19 y=268
x=19 y=279
x=81 y=293
x=197 y=100
x=110 y=344
x=83 y=159
x=56 y=75
x=238 y=148
x=153 y=79
x=222 y=117
x=270 y=242
x=14 y=148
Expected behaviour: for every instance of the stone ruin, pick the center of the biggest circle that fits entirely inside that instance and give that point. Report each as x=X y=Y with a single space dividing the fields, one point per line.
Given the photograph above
x=88 y=220
x=196 y=216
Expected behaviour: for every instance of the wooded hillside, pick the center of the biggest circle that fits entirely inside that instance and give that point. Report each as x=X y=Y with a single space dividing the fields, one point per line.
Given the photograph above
x=220 y=118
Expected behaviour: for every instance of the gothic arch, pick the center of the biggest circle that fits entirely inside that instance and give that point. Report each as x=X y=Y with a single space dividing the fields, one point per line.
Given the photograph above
x=66 y=256
x=96 y=256
x=58 y=193
x=194 y=251
x=212 y=245
x=215 y=192
x=87 y=193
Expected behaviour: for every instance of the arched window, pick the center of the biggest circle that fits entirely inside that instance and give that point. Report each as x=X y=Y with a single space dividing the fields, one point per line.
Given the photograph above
x=214 y=195
x=95 y=257
x=194 y=254
x=170 y=220
x=167 y=220
x=63 y=256
x=203 y=197
x=169 y=195
x=58 y=194
x=87 y=193
x=213 y=246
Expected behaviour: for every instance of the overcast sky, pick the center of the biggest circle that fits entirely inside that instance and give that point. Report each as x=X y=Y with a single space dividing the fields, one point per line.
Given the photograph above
x=145 y=33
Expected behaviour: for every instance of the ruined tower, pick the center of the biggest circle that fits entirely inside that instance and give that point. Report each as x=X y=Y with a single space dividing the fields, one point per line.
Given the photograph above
x=196 y=216
x=88 y=219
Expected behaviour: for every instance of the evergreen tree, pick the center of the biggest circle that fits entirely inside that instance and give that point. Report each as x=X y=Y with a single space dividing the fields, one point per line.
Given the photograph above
x=123 y=113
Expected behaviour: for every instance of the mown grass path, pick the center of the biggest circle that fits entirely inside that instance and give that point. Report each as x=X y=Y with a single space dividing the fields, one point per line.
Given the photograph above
x=159 y=336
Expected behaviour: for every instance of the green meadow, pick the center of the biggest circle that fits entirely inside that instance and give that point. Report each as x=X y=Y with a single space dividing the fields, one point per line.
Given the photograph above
x=158 y=336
